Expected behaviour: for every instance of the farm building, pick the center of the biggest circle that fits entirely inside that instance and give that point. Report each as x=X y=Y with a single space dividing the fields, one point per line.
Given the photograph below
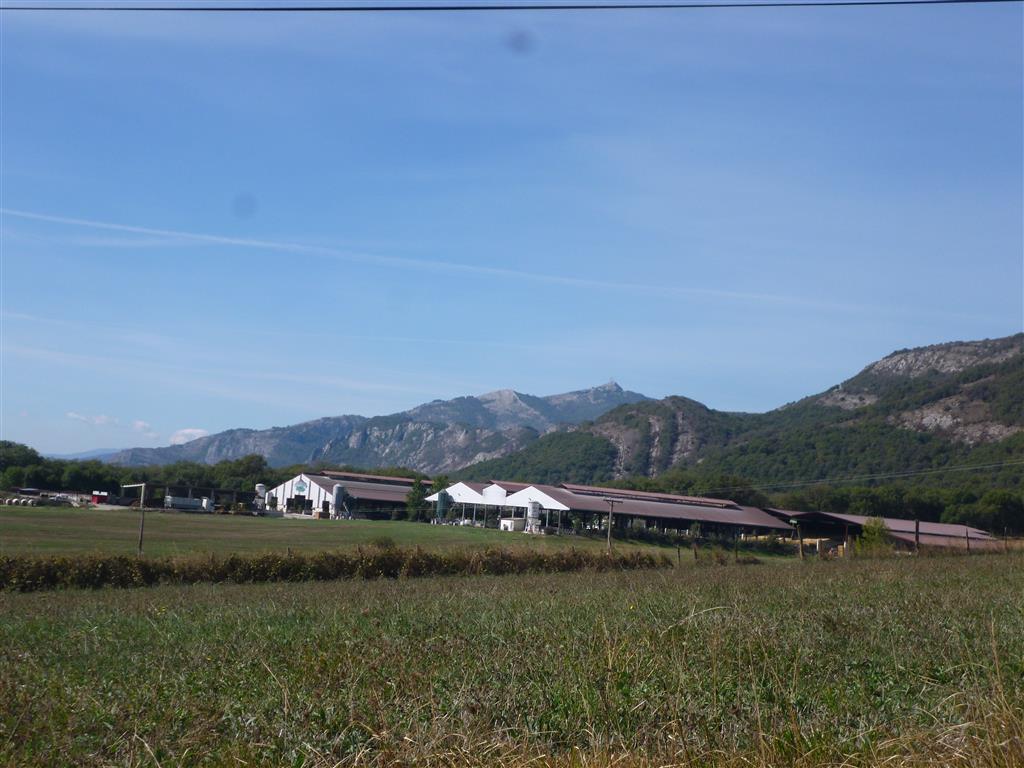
x=535 y=508
x=521 y=506
x=342 y=494
x=834 y=529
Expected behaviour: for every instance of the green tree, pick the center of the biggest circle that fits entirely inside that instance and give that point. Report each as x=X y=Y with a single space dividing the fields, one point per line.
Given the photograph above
x=17 y=455
x=440 y=483
x=88 y=476
x=923 y=504
x=874 y=538
x=12 y=477
x=999 y=510
x=416 y=502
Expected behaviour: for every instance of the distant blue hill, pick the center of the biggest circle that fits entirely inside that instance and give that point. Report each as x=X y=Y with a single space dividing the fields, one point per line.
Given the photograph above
x=95 y=453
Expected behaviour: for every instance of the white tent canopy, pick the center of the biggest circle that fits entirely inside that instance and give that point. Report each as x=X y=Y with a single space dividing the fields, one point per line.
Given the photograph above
x=524 y=497
x=494 y=495
x=461 y=494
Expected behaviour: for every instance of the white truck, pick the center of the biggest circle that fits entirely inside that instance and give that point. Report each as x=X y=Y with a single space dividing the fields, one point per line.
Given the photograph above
x=183 y=502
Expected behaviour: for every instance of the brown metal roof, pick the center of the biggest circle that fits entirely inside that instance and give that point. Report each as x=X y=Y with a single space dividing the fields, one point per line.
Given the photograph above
x=363 y=490
x=745 y=517
x=513 y=487
x=626 y=493
x=948 y=541
x=894 y=524
x=362 y=477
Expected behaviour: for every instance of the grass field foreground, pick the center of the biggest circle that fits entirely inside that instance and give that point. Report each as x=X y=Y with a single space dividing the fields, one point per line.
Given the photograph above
x=906 y=661
x=67 y=530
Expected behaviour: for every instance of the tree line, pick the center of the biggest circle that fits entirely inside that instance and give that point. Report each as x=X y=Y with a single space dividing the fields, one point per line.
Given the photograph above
x=995 y=509
x=24 y=467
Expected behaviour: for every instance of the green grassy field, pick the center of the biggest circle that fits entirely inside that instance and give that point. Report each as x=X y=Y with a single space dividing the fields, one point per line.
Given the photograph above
x=903 y=662
x=65 y=530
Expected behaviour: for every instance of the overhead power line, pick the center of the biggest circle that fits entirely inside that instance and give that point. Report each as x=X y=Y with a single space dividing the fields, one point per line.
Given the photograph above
x=858 y=478
x=485 y=7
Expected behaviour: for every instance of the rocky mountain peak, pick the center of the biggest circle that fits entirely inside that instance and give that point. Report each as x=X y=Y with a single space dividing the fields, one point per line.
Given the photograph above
x=953 y=357
x=501 y=397
x=438 y=436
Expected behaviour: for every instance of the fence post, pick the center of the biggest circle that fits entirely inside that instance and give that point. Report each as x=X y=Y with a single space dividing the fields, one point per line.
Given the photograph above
x=142 y=526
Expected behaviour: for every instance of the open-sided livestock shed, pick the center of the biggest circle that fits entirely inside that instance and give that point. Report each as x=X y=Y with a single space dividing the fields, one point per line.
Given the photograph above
x=904 y=533
x=525 y=506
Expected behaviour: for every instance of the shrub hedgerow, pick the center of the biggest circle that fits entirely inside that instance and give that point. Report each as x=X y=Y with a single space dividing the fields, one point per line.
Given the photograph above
x=24 y=573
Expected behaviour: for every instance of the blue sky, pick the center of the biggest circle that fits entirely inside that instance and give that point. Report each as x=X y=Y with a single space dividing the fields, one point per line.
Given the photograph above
x=220 y=221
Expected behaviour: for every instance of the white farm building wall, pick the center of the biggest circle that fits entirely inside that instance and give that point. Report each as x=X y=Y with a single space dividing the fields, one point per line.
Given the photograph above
x=301 y=486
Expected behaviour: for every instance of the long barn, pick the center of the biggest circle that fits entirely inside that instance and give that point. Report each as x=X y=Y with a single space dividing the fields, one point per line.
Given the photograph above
x=342 y=494
x=838 y=528
x=535 y=507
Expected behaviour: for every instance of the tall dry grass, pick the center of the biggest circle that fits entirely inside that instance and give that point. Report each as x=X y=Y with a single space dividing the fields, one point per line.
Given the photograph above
x=901 y=662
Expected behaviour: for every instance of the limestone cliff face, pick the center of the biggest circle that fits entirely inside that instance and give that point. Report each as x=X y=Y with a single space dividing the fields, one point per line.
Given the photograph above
x=653 y=436
x=938 y=362
x=953 y=357
x=953 y=389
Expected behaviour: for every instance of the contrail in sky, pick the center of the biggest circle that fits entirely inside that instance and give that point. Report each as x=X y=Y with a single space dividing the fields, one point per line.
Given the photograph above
x=435 y=265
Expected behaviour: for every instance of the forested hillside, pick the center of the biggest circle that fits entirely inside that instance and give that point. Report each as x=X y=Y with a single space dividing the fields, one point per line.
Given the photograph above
x=914 y=411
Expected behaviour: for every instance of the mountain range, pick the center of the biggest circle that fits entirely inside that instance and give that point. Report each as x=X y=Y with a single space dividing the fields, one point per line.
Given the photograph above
x=913 y=413
x=915 y=410
x=440 y=436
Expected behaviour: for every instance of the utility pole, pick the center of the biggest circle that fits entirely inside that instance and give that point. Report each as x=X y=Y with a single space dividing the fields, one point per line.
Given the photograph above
x=611 y=508
x=800 y=535
x=142 y=510
x=142 y=518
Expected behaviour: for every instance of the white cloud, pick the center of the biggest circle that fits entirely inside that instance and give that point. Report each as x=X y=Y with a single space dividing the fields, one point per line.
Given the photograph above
x=145 y=428
x=99 y=420
x=187 y=435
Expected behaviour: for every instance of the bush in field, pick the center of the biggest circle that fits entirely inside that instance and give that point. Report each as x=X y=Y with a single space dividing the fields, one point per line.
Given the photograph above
x=29 y=574
x=874 y=539
x=418 y=563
